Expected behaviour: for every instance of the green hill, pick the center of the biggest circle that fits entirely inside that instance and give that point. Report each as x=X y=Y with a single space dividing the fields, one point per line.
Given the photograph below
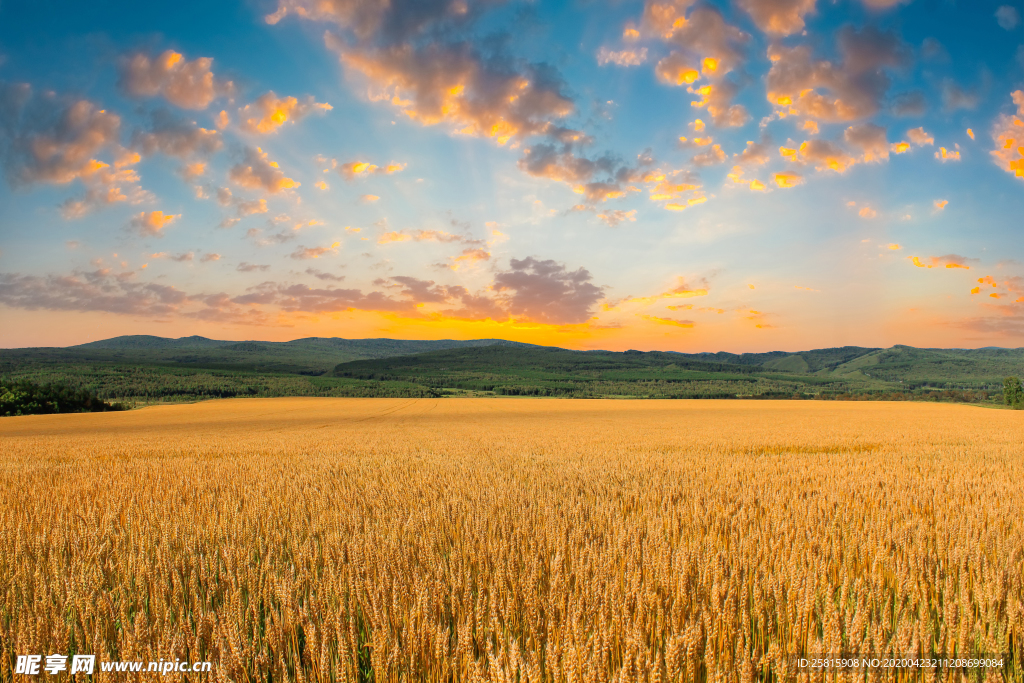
x=143 y=368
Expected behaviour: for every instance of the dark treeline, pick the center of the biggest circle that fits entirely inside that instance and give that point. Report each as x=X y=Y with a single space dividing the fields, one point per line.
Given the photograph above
x=28 y=398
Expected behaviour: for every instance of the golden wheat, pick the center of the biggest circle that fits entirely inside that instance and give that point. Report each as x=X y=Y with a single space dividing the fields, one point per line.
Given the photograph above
x=513 y=540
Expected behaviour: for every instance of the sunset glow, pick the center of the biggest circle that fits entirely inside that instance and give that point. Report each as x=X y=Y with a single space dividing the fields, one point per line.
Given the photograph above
x=553 y=173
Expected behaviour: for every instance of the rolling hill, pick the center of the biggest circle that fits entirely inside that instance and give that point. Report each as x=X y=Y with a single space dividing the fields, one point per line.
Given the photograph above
x=143 y=369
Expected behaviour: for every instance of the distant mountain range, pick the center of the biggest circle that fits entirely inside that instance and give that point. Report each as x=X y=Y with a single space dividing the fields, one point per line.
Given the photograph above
x=142 y=367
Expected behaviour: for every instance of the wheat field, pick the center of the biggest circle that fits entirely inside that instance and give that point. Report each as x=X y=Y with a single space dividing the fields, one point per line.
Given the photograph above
x=514 y=540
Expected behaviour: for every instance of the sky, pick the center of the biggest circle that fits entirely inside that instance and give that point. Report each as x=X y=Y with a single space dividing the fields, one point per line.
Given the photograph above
x=737 y=175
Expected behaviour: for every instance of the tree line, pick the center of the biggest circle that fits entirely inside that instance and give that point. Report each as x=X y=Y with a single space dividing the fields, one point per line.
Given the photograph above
x=28 y=398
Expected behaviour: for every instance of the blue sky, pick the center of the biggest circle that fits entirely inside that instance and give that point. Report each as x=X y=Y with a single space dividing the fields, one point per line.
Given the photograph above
x=747 y=175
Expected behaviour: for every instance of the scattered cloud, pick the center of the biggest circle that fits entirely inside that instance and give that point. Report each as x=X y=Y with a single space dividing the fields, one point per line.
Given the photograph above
x=1008 y=17
x=1008 y=136
x=622 y=57
x=269 y=112
x=787 y=179
x=303 y=253
x=152 y=223
x=546 y=291
x=245 y=267
x=426 y=236
x=321 y=275
x=712 y=157
x=360 y=169
x=189 y=85
x=54 y=140
x=682 y=290
x=947 y=261
x=98 y=290
x=249 y=207
x=954 y=97
x=778 y=17
x=598 y=180
x=615 y=217
x=668 y=321
x=852 y=89
x=175 y=137
x=469 y=257
x=184 y=256
x=257 y=172
x=453 y=84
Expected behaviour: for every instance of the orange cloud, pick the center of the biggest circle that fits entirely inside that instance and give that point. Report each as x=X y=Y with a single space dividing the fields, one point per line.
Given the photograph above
x=755 y=154
x=449 y=84
x=970 y=133
x=56 y=141
x=797 y=85
x=258 y=172
x=867 y=212
x=664 y=187
x=497 y=236
x=426 y=236
x=788 y=179
x=362 y=169
x=758 y=319
x=780 y=18
x=469 y=256
x=1008 y=135
x=616 y=217
x=945 y=155
x=269 y=112
x=189 y=85
x=988 y=280
x=699 y=30
x=668 y=321
x=717 y=98
x=712 y=157
x=736 y=176
x=677 y=69
x=303 y=253
x=894 y=247
x=153 y=222
x=682 y=290
x=390 y=237
x=677 y=206
x=940 y=204
x=947 y=261
x=321 y=185
x=369 y=198
x=192 y=171
x=825 y=156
